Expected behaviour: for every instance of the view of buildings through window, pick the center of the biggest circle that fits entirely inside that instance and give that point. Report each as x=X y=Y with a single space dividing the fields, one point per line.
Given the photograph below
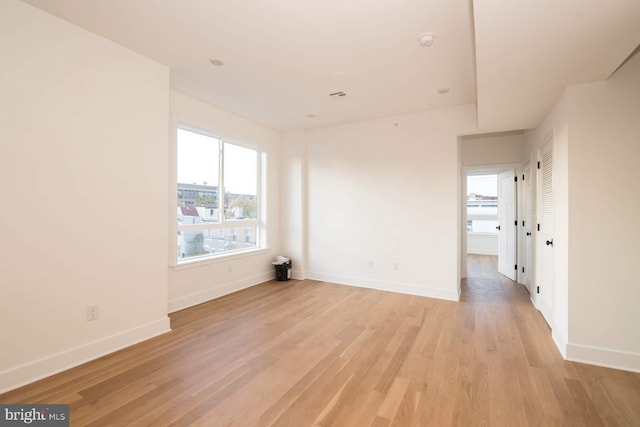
x=217 y=200
x=482 y=203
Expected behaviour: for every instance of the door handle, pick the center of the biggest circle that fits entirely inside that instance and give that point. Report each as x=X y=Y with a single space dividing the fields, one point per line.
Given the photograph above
x=550 y=242
x=528 y=234
x=498 y=228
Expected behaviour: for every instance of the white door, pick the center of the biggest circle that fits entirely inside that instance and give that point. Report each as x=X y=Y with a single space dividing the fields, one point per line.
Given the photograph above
x=507 y=228
x=545 y=282
x=528 y=258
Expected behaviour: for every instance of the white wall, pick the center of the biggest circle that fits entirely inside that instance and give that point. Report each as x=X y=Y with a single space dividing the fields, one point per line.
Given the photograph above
x=83 y=155
x=293 y=200
x=482 y=244
x=604 y=172
x=196 y=283
x=505 y=148
x=387 y=191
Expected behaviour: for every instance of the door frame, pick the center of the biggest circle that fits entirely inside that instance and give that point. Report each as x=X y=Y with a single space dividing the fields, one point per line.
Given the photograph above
x=489 y=169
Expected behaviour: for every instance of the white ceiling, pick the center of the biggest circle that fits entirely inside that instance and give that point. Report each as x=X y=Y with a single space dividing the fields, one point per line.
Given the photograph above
x=284 y=57
x=527 y=52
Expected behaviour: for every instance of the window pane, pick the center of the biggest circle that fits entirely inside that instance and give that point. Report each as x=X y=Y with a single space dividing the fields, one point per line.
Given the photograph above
x=240 y=183
x=198 y=177
x=206 y=195
x=203 y=243
x=482 y=195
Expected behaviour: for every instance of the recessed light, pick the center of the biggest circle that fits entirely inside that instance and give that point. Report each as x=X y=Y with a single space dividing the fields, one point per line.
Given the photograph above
x=216 y=62
x=426 y=39
x=443 y=90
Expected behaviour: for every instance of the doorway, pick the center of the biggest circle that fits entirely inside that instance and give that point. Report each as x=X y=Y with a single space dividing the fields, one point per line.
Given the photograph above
x=491 y=228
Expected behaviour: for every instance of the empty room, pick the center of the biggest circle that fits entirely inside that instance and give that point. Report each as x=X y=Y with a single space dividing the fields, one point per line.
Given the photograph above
x=331 y=213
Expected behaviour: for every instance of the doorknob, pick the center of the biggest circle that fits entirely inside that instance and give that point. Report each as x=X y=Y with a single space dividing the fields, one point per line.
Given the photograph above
x=498 y=228
x=528 y=234
x=550 y=242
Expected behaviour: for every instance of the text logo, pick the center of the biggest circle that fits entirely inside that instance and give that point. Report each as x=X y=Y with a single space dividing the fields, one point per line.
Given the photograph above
x=34 y=415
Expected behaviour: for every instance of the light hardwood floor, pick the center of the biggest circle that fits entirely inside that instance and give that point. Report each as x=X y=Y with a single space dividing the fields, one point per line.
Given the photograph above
x=306 y=353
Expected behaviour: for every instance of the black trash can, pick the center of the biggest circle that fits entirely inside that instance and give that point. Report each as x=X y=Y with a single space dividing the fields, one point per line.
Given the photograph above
x=283 y=271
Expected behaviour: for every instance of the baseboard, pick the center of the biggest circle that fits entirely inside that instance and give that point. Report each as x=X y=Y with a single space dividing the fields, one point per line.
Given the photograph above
x=481 y=252
x=33 y=371
x=605 y=357
x=546 y=312
x=382 y=285
x=298 y=275
x=218 y=291
x=533 y=301
x=560 y=341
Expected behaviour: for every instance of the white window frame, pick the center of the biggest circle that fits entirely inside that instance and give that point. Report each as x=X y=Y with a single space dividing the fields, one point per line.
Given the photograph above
x=223 y=223
x=481 y=217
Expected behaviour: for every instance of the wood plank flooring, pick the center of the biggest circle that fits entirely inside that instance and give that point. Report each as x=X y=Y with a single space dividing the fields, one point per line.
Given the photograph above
x=307 y=353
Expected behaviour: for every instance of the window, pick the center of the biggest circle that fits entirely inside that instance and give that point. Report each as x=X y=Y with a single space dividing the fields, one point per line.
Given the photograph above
x=482 y=203
x=218 y=185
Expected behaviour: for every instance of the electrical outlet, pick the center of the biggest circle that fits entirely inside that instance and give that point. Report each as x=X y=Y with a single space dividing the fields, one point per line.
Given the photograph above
x=92 y=313
x=370 y=263
x=395 y=266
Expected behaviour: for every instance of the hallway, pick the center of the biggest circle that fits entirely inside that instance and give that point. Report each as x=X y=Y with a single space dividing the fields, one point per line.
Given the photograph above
x=551 y=391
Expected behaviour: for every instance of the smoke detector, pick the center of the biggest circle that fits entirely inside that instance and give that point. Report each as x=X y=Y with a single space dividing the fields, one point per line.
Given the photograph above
x=426 y=39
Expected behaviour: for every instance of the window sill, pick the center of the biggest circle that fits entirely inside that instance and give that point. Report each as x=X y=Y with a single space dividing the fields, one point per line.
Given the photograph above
x=217 y=259
x=479 y=234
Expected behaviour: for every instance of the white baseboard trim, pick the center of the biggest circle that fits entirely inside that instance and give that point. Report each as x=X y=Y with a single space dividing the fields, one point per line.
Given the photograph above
x=605 y=357
x=560 y=341
x=382 y=285
x=218 y=291
x=533 y=302
x=298 y=275
x=546 y=312
x=27 y=373
x=482 y=252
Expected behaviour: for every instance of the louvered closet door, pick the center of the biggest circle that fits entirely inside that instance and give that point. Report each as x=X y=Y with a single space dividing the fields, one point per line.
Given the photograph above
x=545 y=236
